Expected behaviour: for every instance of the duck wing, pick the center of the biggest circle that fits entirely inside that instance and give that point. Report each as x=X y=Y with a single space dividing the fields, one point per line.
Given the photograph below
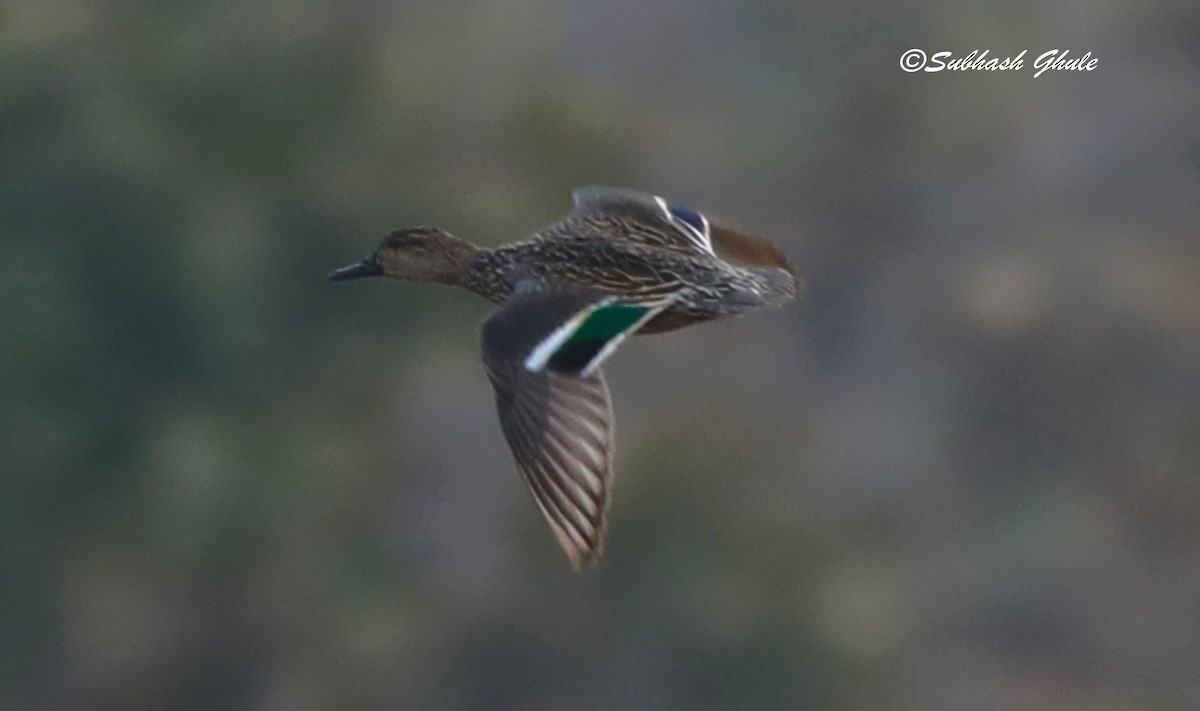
x=648 y=219
x=654 y=221
x=542 y=351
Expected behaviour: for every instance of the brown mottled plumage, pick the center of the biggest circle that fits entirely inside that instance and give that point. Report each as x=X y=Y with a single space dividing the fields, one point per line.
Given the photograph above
x=621 y=263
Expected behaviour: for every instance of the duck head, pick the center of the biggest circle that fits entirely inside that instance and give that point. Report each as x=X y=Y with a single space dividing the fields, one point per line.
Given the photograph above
x=414 y=254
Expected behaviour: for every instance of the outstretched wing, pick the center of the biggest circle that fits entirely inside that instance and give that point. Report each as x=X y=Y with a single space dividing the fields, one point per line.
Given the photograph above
x=542 y=350
x=652 y=219
x=560 y=432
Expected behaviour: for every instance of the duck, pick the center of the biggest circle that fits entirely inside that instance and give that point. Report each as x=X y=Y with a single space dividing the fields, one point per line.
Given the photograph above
x=621 y=263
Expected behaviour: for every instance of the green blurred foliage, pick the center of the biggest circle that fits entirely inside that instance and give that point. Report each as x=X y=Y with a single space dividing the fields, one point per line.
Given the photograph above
x=960 y=473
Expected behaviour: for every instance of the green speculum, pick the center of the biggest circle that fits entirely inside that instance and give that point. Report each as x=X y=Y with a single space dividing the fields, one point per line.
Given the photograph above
x=600 y=327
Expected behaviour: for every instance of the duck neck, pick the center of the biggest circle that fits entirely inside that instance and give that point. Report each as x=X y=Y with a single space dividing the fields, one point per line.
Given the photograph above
x=487 y=274
x=453 y=262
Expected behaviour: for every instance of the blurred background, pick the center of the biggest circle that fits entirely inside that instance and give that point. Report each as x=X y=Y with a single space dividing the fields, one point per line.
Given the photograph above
x=963 y=472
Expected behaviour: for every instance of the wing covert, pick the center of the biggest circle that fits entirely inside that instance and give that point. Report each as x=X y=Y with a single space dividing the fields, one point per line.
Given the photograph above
x=664 y=224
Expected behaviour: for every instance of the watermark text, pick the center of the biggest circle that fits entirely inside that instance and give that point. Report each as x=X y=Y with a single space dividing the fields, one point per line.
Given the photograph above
x=1054 y=60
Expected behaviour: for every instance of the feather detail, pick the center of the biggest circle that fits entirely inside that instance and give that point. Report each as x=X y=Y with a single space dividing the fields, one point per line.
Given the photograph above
x=559 y=429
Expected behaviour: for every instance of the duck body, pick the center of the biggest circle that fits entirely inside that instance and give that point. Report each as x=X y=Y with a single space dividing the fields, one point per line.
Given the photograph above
x=596 y=257
x=622 y=263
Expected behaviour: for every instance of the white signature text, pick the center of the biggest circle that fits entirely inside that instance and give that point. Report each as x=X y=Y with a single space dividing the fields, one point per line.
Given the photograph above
x=1054 y=60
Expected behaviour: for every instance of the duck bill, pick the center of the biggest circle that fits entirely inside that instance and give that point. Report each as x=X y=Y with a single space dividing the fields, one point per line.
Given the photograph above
x=367 y=268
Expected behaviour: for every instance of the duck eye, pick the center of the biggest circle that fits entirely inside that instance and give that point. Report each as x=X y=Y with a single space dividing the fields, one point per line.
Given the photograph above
x=690 y=216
